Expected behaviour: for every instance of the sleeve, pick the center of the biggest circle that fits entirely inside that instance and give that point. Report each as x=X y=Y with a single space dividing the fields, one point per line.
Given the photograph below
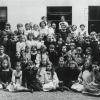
x=9 y=62
x=60 y=25
x=48 y=60
x=21 y=78
x=80 y=75
x=37 y=61
x=55 y=78
x=17 y=47
x=13 y=76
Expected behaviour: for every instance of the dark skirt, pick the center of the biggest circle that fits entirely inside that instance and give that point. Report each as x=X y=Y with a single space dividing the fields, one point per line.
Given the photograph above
x=35 y=85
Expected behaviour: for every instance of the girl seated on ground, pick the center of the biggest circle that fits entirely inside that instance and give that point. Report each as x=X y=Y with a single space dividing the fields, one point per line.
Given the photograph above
x=51 y=80
x=85 y=77
x=16 y=83
x=5 y=74
x=93 y=88
x=62 y=72
x=72 y=73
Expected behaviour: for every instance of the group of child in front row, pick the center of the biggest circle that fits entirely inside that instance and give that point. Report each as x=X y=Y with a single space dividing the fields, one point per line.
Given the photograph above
x=45 y=59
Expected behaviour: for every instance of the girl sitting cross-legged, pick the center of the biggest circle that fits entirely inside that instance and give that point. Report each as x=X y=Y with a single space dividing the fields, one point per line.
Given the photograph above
x=51 y=80
x=85 y=77
x=16 y=81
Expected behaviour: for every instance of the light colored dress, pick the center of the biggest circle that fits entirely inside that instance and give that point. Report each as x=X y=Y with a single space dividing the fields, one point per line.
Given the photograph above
x=44 y=31
x=36 y=33
x=93 y=88
x=86 y=78
x=30 y=43
x=20 y=46
x=48 y=81
x=16 y=82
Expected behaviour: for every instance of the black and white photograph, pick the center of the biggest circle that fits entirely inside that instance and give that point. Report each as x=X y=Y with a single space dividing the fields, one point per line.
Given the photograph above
x=49 y=49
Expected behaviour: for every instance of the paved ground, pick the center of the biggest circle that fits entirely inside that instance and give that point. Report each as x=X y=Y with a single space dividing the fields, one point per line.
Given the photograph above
x=45 y=96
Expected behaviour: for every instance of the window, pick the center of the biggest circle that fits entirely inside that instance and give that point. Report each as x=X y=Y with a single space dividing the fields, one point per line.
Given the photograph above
x=54 y=13
x=94 y=18
x=3 y=17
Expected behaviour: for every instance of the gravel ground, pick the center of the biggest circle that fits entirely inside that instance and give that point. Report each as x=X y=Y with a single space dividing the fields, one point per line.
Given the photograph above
x=66 y=95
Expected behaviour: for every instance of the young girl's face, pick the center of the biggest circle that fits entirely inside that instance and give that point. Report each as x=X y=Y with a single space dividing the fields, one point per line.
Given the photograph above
x=49 y=67
x=95 y=67
x=82 y=27
x=87 y=64
x=62 y=18
x=30 y=37
x=35 y=27
x=72 y=65
x=22 y=53
x=64 y=49
x=79 y=50
x=20 y=28
x=92 y=35
x=53 y=25
x=61 y=62
x=70 y=58
x=40 y=38
x=5 y=64
x=88 y=50
x=31 y=65
x=5 y=38
x=44 y=62
x=43 y=24
x=27 y=27
x=43 y=49
x=14 y=38
x=7 y=27
x=87 y=41
x=60 y=41
x=72 y=46
x=18 y=67
x=49 y=24
x=44 y=18
x=22 y=39
x=27 y=49
x=18 y=55
x=49 y=38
